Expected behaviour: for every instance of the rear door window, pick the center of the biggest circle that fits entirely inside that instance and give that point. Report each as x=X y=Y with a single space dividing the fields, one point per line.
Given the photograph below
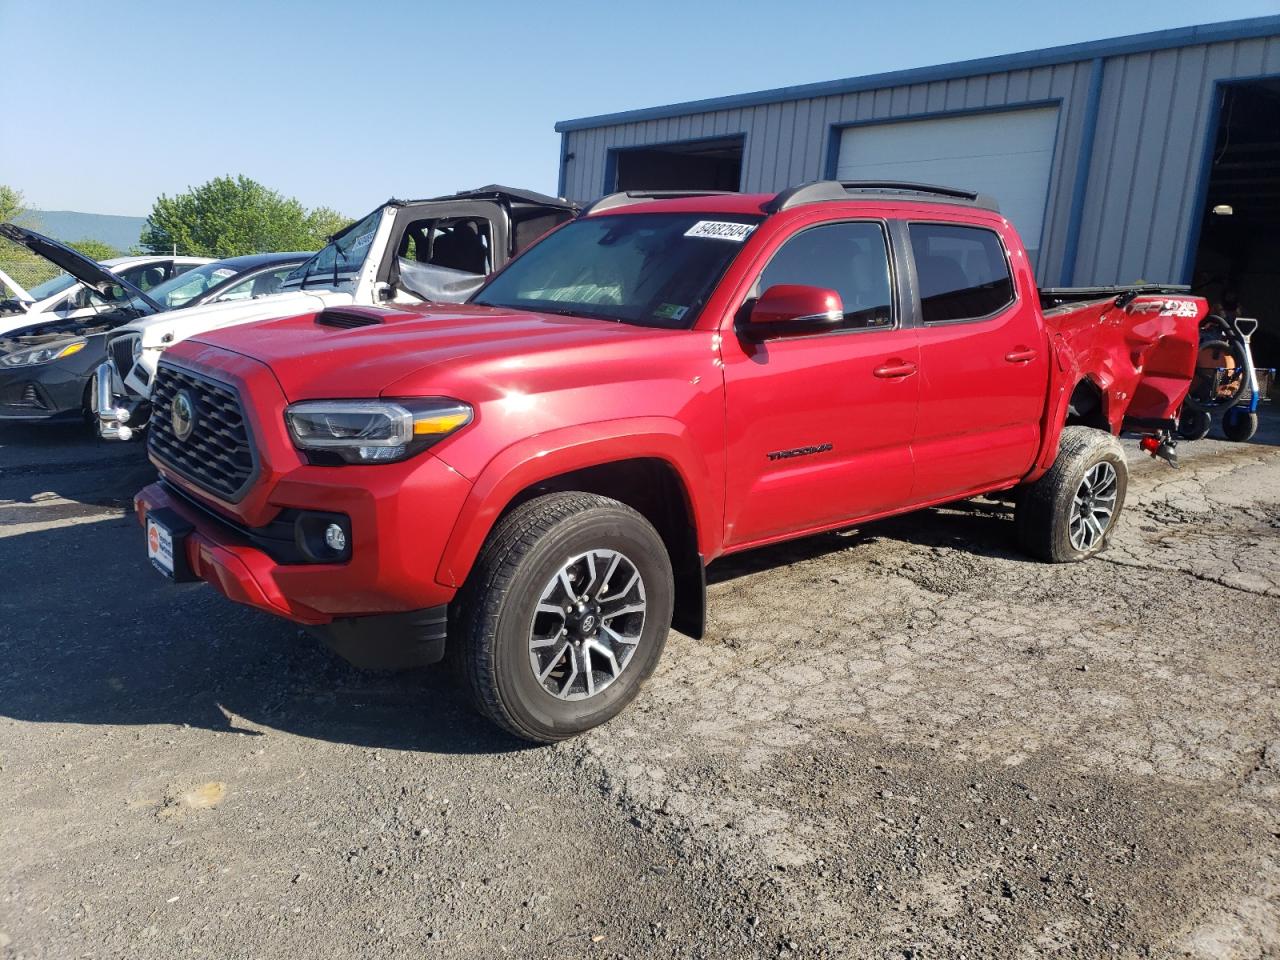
x=962 y=272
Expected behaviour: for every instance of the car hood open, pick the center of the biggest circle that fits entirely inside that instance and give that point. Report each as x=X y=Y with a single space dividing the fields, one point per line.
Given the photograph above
x=73 y=262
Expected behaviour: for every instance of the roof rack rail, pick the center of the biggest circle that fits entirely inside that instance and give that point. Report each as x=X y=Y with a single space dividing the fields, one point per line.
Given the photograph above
x=819 y=191
x=625 y=198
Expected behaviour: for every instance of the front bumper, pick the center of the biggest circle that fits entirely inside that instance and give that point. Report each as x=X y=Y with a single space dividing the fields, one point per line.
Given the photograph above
x=396 y=542
x=115 y=411
x=248 y=575
x=47 y=391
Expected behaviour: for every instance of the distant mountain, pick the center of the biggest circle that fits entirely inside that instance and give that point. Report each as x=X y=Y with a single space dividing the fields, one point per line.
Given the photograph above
x=70 y=226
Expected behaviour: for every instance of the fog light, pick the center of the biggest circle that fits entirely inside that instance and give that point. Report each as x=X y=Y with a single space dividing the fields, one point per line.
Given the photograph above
x=335 y=537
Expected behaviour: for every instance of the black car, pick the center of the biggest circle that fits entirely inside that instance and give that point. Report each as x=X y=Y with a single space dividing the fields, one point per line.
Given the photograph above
x=47 y=369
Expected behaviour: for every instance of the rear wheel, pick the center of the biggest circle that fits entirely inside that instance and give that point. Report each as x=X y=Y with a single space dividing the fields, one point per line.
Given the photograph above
x=1070 y=513
x=1239 y=426
x=1194 y=424
x=564 y=616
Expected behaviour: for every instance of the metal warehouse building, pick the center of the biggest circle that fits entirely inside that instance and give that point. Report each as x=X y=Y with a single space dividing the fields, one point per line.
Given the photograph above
x=1109 y=156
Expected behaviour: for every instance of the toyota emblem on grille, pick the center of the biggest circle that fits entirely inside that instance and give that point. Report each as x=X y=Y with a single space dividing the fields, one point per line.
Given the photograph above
x=182 y=417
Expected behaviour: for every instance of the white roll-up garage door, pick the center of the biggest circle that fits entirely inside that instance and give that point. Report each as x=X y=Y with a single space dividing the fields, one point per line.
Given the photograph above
x=1008 y=155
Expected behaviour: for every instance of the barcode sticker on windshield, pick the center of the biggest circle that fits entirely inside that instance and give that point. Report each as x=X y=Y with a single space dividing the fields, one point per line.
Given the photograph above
x=721 y=230
x=362 y=241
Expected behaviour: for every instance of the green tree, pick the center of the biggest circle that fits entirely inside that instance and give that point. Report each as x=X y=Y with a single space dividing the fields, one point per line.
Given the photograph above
x=17 y=261
x=12 y=205
x=323 y=224
x=232 y=216
x=95 y=249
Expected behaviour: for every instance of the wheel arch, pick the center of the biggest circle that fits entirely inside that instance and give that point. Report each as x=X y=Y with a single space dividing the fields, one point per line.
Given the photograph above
x=1087 y=406
x=656 y=474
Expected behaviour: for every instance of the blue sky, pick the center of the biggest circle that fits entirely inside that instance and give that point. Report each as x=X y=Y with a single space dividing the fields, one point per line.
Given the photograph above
x=107 y=105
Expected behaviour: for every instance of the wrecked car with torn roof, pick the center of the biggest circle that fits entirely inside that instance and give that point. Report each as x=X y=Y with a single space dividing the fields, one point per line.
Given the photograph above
x=437 y=250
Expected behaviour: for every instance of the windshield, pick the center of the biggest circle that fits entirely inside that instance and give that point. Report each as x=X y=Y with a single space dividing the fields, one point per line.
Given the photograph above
x=651 y=269
x=181 y=290
x=339 y=261
x=51 y=286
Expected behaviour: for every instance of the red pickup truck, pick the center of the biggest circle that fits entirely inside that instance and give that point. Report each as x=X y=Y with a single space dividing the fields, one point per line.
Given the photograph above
x=537 y=479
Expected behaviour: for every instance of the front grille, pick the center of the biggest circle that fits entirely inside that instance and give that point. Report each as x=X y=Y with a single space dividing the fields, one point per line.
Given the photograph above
x=217 y=455
x=121 y=350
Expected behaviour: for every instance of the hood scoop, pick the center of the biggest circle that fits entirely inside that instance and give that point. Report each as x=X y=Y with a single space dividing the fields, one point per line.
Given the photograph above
x=347 y=318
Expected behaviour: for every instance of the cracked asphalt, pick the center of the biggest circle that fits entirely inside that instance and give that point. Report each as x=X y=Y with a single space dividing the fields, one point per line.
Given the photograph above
x=901 y=741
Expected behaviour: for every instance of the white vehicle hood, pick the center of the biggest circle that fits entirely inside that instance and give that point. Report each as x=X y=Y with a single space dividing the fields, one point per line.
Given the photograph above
x=165 y=329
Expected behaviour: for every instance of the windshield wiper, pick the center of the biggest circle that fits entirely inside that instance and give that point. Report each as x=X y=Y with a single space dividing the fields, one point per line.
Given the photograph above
x=568 y=312
x=337 y=252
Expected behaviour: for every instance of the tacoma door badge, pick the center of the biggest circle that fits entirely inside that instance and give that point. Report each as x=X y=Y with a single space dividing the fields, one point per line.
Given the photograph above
x=798 y=452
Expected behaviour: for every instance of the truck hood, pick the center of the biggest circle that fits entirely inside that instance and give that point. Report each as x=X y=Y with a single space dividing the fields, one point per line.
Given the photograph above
x=419 y=350
x=162 y=329
x=73 y=262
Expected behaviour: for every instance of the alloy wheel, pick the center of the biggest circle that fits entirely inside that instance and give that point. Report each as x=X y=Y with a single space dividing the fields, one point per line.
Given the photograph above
x=1094 y=506
x=589 y=619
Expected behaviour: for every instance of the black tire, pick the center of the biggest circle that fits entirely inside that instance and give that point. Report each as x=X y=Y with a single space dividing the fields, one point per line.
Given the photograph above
x=496 y=611
x=1044 y=510
x=1239 y=426
x=1194 y=424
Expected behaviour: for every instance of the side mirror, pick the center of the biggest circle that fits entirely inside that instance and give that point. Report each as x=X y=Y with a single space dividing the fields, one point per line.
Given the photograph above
x=793 y=310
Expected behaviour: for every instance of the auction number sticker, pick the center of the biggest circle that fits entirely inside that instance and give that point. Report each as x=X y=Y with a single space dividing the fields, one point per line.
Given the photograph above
x=721 y=230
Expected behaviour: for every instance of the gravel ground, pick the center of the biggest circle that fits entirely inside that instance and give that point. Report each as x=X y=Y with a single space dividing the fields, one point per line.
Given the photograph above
x=905 y=741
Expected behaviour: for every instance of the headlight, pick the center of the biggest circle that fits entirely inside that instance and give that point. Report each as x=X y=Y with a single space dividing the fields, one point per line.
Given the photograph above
x=54 y=351
x=372 y=431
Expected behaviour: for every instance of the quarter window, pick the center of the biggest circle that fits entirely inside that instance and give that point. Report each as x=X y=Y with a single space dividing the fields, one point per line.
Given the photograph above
x=850 y=258
x=962 y=272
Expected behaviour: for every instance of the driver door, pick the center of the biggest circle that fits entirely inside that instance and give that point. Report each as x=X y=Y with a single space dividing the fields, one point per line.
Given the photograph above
x=819 y=427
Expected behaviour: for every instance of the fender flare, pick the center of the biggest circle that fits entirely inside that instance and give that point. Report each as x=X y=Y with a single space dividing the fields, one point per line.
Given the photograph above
x=1066 y=375
x=547 y=455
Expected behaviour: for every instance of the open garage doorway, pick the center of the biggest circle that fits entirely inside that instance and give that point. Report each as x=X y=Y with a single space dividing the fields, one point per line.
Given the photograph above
x=1237 y=256
x=692 y=165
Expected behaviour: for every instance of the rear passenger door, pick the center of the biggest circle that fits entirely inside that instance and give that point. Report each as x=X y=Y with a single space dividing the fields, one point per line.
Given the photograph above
x=983 y=360
x=820 y=426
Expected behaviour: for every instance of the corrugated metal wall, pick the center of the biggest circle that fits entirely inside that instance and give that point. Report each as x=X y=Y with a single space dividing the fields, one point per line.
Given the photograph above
x=1151 y=146
x=1152 y=125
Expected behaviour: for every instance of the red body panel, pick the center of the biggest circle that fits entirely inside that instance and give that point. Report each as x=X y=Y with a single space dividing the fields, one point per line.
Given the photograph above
x=769 y=440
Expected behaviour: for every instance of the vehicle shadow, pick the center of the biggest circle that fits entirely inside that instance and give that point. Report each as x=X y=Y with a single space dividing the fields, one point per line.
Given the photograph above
x=107 y=640
x=983 y=527
x=91 y=634
x=66 y=459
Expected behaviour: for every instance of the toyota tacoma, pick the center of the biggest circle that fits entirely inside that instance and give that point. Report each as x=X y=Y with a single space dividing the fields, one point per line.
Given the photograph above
x=534 y=482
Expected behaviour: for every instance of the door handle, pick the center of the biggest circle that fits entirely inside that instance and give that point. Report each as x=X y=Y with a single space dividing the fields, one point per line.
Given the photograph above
x=1021 y=355
x=894 y=369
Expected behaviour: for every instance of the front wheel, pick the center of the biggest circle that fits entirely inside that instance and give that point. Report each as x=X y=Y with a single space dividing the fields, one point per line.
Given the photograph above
x=1070 y=513
x=564 y=615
